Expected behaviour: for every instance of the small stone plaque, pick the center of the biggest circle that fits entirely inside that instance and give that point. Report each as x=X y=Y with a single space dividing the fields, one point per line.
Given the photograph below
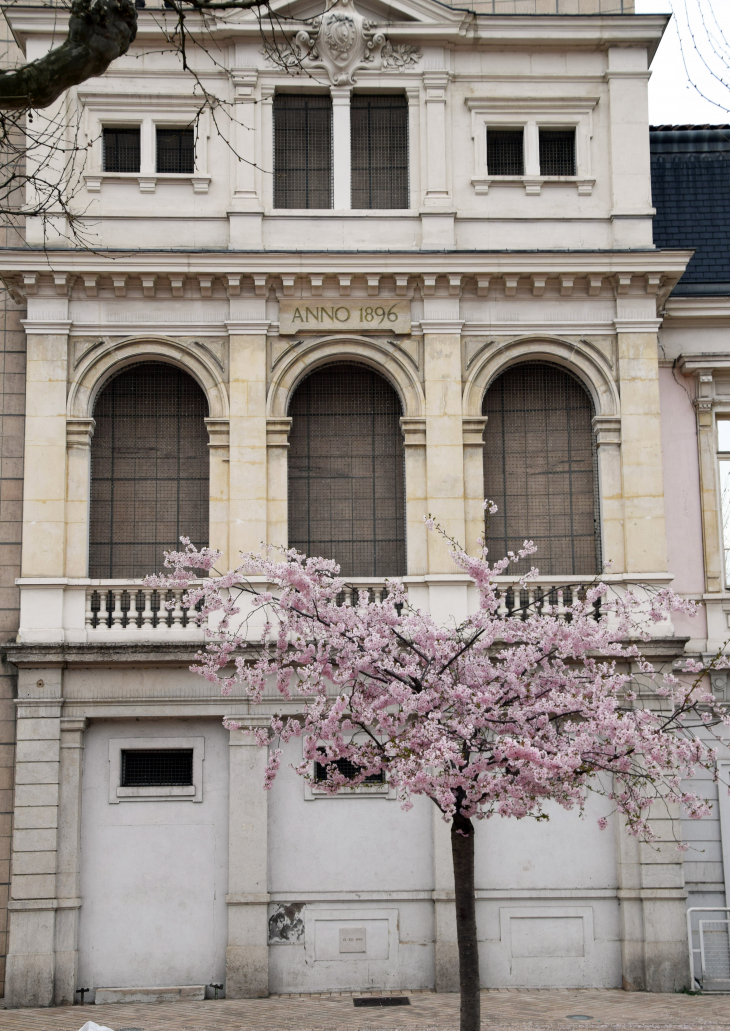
x=353 y=939
x=356 y=315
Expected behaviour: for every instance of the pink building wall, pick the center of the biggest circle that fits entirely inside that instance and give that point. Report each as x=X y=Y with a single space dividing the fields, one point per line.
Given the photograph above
x=682 y=494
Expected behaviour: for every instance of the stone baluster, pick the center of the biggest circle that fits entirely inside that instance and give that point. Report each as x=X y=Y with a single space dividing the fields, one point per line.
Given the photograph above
x=89 y=619
x=117 y=612
x=147 y=613
x=177 y=612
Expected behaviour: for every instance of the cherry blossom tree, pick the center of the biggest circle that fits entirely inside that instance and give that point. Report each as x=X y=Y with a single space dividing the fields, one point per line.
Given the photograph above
x=493 y=716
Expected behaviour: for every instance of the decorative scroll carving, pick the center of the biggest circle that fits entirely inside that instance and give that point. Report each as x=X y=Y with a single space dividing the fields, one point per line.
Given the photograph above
x=340 y=41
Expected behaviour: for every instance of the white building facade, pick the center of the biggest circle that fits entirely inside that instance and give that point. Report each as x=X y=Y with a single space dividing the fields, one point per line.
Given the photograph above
x=422 y=271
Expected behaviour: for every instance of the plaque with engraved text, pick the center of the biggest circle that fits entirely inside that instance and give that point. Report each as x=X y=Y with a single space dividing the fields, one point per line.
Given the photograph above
x=355 y=315
x=353 y=939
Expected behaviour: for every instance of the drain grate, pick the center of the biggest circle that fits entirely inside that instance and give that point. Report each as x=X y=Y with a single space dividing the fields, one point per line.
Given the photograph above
x=578 y=1016
x=382 y=1000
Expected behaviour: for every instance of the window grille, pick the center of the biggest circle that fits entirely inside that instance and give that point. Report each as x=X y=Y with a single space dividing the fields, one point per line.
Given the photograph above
x=121 y=150
x=156 y=767
x=302 y=151
x=379 y=151
x=149 y=470
x=347 y=471
x=557 y=151
x=540 y=468
x=505 y=151
x=176 y=151
x=347 y=769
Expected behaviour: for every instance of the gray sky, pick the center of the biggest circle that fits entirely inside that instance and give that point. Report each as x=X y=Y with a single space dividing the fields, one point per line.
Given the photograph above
x=672 y=97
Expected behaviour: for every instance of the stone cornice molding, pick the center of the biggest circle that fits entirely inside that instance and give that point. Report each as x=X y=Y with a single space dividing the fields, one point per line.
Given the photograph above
x=637 y=325
x=607 y=429
x=277 y=432
x=414 y=432
x=218 y=433
x=473 y=427
x=254 y=327
x=56 y=327
x=696 y=364
x=442 y=327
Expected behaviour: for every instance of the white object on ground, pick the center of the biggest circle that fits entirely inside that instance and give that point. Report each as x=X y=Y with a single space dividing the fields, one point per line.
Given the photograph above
x=91 y=1026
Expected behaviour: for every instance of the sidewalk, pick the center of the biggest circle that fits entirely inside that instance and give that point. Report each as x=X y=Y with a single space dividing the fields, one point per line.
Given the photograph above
x=506 y=1010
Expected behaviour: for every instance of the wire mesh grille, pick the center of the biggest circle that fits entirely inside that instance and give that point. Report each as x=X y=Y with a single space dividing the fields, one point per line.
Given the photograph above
x=176 y=151
x=121 y=150
x=379 y=152
x=505 y=151
x=149 y=470
x=540 y=468
x=347 y=769
x=715 y=950
x=302 y=151
x=557 y=151
x=156 y=767
x=346 y=471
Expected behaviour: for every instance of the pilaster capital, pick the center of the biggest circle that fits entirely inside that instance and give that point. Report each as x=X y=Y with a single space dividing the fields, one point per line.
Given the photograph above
x=473 y=427
x=277 y=432
x=79 y=433
x=414 y=431
x=244 y=82
x=607 y=429
x=218 y=432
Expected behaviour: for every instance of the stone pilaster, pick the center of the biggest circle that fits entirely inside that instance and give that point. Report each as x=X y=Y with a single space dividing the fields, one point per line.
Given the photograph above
x=78 y=494
x=473 y=430
x=247 y=955
x=218 y=447
x=277 y=449
x=607 y=429
x=68 y=861
x=414 y=442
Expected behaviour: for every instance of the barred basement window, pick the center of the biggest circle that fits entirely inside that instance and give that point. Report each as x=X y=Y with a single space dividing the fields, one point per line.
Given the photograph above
x=156 y=767
x=149 y=470
x=347 y=471
x=379 y=151
x=557 y=151
x=347 y=769
x=121 y=150
x=540 y=468
x=176 y=151
x=302 y=151
x=505 y=151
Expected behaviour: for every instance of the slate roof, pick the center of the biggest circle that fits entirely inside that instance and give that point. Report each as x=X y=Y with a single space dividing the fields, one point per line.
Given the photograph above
x=690 y=181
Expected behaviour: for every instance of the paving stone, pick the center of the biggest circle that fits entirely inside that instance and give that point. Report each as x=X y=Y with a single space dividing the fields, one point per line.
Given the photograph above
x=503 y=1010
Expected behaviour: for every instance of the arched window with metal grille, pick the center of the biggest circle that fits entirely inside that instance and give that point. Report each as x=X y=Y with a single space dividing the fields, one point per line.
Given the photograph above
x=540 y=468
x=347 y=471
x=149 y=470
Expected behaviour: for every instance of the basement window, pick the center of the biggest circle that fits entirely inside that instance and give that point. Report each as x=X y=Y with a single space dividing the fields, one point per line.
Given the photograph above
x=156 y=769
x=159 y=767
x=347 y=769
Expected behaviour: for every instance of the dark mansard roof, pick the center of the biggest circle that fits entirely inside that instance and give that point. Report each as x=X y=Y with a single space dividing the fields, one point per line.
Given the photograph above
x=690 y=181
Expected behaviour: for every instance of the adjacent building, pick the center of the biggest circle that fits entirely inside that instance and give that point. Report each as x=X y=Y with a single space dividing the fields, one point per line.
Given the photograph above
x=410 y=260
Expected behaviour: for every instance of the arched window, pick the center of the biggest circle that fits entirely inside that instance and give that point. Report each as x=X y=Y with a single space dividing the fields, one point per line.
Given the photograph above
x=540 y=468
x=149 y=470
x=346 y=471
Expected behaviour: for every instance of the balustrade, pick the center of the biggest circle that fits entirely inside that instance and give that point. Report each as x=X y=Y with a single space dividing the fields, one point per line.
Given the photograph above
x=134 y=607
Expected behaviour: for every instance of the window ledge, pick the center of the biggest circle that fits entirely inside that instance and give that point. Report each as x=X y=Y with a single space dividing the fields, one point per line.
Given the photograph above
x=158 y=793
x=342 y=212
x=313 y=792
x=147 y=183
x=533 y=184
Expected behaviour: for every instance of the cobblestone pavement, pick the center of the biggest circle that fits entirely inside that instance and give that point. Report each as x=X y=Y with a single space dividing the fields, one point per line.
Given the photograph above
x=507 y=1010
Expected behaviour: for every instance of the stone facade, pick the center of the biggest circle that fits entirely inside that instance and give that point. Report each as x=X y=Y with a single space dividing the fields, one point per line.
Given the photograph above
x=483 y=272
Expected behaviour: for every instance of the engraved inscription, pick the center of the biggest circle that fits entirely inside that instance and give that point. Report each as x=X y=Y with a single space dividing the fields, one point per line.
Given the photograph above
x=353 y=939
x=360 y=316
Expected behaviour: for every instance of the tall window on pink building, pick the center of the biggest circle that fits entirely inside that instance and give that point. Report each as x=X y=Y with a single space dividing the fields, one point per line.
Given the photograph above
x=540 y=468
x=149 y=470
x=723 y=449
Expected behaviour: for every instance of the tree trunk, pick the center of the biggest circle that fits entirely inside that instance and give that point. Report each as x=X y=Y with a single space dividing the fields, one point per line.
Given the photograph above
x=462 y=851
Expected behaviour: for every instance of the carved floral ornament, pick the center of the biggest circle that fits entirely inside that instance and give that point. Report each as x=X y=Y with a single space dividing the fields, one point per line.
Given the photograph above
x=341 y=41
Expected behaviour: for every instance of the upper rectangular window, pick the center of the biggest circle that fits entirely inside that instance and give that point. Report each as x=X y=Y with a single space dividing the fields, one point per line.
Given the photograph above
x=176 y=150
x=379 y=151
x=121 y=149
x=557 y=151
x=505 y=151
x=302 y=151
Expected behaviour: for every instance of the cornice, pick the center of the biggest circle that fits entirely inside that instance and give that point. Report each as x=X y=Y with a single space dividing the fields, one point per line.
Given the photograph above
x=702 y=310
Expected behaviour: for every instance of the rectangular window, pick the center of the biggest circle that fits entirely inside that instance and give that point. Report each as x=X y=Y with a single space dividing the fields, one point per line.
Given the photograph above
x=347 y=769
x=505 y=151
x=176 y=151
x=379 y=151
x=157 y=767
x=302 y=151
x=121 y=150
x=557 y=151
